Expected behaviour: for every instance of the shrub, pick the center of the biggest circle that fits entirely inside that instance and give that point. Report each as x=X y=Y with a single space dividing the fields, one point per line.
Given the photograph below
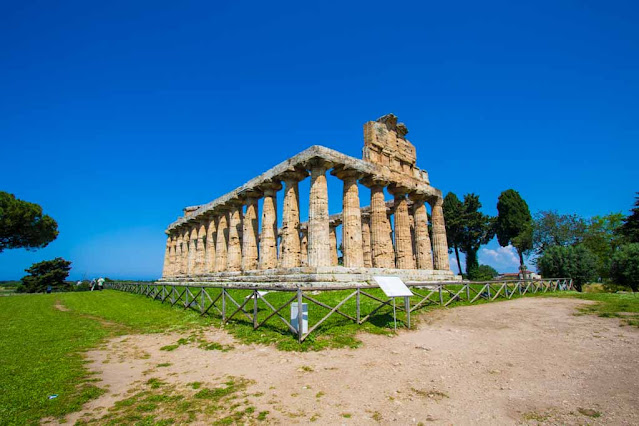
x=625 y=266
x=576 y=262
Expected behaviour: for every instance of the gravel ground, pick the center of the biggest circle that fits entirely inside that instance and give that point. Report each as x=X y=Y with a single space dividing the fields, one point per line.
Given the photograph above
x=524 y=361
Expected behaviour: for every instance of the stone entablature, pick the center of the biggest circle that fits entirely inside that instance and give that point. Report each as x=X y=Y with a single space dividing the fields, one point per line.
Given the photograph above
x=222 y=239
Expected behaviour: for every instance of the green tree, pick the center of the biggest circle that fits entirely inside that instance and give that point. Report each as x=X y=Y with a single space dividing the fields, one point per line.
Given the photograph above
x=576 y=262
x=477 y=229
x=514 y=223
x=552 y=229
x=625 y=266
x=22 y=224
x=453 y=212
x=630 y=227
x=602 y=238
x=46 y=273
x=484 y=273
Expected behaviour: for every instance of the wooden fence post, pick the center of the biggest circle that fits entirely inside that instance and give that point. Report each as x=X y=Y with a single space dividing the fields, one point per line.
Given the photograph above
x=255 y=295
x=299 y=315
x=357 y=306
x=223 y=305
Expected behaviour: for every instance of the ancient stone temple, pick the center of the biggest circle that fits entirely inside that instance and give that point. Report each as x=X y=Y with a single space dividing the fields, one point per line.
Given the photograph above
x=230 y=241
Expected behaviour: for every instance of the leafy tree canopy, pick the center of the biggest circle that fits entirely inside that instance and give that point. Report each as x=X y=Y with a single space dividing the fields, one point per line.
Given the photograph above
x=602 y=238
x=576 y=262
x=46 y=273
x=625 y=266
x=514 y=223
x=22 y=224
x=630 y=227
x=553 y=229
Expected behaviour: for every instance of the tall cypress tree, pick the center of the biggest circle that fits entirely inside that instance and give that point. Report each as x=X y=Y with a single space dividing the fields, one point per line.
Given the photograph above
x=514 y=223
x=477 y=230
x=453 y=211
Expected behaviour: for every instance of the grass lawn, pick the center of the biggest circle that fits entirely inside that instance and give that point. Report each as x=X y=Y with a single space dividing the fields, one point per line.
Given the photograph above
x=41 y=346
x=43 y=337
x=611 y=305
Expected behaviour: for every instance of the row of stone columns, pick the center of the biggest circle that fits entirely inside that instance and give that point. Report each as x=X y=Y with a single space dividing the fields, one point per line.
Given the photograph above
x=228 y=239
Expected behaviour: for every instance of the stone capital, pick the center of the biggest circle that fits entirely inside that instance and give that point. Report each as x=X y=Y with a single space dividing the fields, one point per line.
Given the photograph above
x=374 y=180
x=344 y=173
x=292 y=176
x=249 y=194
x=417 y=196
x=319 y=163
x=398 y=189
x=235 y=203
x=271 y=187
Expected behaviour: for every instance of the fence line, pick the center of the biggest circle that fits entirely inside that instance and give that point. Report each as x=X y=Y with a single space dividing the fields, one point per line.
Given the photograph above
x=195 y=296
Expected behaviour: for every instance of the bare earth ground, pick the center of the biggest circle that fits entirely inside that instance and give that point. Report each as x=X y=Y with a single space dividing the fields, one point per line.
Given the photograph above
x=524 y=361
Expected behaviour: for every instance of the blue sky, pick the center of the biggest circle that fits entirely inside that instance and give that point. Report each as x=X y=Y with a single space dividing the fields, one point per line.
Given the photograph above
x=115 y=115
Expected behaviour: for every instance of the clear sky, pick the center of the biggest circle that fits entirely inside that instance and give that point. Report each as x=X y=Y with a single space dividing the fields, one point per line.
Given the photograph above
x=114 y=115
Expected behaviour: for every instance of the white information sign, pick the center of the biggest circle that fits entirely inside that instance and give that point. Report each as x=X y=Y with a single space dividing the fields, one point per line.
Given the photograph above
x=393 y=287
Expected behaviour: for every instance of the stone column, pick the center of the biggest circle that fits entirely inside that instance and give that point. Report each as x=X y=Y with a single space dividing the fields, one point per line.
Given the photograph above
x=290 y=243
x=234 y=254
x=221 y=242
x=333 y=237
x=167 y=258
x=304 y=247
x=403 y=240
x=351 y=220
x=249 y=233
x=185 y=252
x=319 y=250
x=423 y=249
x=171 y=271
x=177 y=263
x=211 y=237
x=200 y=250
x=440 y=244
x=192 y=249
x=268 y=238
x=381 y=243
x=366 y=241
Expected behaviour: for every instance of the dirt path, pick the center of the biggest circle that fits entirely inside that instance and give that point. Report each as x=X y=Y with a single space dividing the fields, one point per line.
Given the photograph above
x=524 y=361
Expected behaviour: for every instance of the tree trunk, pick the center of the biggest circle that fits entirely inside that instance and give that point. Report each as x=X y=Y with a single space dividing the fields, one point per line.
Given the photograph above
x=459 y=268
x=471 y=261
